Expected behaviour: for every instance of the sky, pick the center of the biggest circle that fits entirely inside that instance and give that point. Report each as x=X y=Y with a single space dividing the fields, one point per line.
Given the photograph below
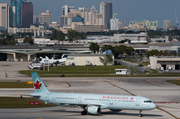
x=126 y=9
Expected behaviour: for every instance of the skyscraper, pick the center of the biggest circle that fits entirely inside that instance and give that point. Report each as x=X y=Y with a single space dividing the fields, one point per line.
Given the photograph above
x=106 y=11
x=17 y=5
x=26 y=14
x=4 y=22
x=66 y=9
x=12 y=16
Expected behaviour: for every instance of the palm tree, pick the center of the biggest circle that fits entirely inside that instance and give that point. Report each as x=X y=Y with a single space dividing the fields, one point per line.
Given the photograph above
x=94 y=47
x=106 y=59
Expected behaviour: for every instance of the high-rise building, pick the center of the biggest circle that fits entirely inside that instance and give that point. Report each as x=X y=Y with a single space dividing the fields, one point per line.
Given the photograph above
x=66 y=9
x=45 y=18
x=114 y=24
x=151 y=25
x=26 y=14
x=4 y=21
x=63 y=20
x=106 y=11
x=95 y=19
x=72 y=14
x=35 y=19
x=167 y=24
x=12 y=16
x=121 y=24
x=143 y=24
x=17 y=5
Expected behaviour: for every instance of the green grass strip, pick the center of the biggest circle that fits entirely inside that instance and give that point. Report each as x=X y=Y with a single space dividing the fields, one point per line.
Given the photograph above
x=17 y=102
x=79 y=71
x=177 y=82
x=15 y=85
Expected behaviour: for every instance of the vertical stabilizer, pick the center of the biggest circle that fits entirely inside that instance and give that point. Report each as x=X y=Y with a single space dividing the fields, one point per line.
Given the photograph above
x=38 y=84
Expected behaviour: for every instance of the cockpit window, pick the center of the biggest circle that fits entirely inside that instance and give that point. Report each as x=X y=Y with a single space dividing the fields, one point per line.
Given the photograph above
x=147 y=101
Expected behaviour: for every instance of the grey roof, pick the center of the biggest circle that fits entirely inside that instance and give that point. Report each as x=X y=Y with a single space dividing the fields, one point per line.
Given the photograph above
x=95 y=55
x=34 y=52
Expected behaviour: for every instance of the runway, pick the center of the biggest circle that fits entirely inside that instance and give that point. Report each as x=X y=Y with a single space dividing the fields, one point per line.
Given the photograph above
x=155 y=88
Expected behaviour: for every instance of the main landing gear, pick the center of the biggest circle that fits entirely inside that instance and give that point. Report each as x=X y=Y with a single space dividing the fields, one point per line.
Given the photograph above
x=84 y=112
x=140 y=114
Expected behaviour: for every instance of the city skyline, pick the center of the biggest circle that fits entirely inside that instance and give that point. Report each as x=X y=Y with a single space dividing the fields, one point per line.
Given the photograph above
x=126 y=9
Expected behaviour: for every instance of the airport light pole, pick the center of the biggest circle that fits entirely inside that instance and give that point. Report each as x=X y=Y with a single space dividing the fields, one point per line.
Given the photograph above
x=48 y=66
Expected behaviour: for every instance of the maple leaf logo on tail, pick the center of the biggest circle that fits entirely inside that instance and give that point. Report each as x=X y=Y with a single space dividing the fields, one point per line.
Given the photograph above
x=37 y=85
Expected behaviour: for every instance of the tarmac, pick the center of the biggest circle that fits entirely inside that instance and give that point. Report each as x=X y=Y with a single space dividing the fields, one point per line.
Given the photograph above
x=164 y=94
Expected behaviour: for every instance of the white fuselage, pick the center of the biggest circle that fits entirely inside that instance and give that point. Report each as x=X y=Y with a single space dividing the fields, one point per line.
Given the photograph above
x=116 y=102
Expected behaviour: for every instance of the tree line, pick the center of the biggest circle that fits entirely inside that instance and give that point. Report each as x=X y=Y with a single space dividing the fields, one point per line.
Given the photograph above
x=10 y=40
x=7 y=40
x=72 y=35
x=117 y=50
x=160 y=53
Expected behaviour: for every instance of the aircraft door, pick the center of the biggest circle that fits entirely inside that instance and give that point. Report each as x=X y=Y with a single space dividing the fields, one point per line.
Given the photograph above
x=79 y=99
x=47 y=97
x=137 y=101
x=111 y=102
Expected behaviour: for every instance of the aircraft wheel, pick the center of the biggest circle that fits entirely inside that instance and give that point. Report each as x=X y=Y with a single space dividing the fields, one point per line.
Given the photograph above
x=140 y=114
x=83 y=113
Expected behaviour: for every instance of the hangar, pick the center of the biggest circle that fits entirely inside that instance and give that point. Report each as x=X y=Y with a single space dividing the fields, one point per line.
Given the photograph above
x=85 y=59
x=165 y=62
x=28 y=55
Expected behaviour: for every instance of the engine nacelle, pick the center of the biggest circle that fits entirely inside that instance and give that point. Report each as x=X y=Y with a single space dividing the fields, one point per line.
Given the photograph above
x=115 y=110
x=94 y=110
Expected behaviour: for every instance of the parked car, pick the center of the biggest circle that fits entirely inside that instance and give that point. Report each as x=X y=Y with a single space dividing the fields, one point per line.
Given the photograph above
x=140 y=65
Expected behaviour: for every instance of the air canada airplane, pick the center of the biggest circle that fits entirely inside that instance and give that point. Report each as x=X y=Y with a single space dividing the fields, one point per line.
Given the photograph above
x=90 y=103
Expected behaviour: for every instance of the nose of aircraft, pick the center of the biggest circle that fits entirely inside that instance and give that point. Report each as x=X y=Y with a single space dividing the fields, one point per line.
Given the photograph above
x=153 y=106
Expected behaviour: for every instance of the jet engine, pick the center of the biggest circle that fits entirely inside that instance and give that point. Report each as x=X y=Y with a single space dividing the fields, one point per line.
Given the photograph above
x=93 y=110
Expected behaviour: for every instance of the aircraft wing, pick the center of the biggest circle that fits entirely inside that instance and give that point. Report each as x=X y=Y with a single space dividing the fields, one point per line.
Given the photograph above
x=102 y=106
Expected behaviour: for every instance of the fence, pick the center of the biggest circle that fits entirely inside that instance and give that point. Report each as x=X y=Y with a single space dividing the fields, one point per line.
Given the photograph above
x=128 y=64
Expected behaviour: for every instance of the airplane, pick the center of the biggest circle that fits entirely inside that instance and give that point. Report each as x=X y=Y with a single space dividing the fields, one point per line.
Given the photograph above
x=52 y=61
x=46 y=60
x=90 y=103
